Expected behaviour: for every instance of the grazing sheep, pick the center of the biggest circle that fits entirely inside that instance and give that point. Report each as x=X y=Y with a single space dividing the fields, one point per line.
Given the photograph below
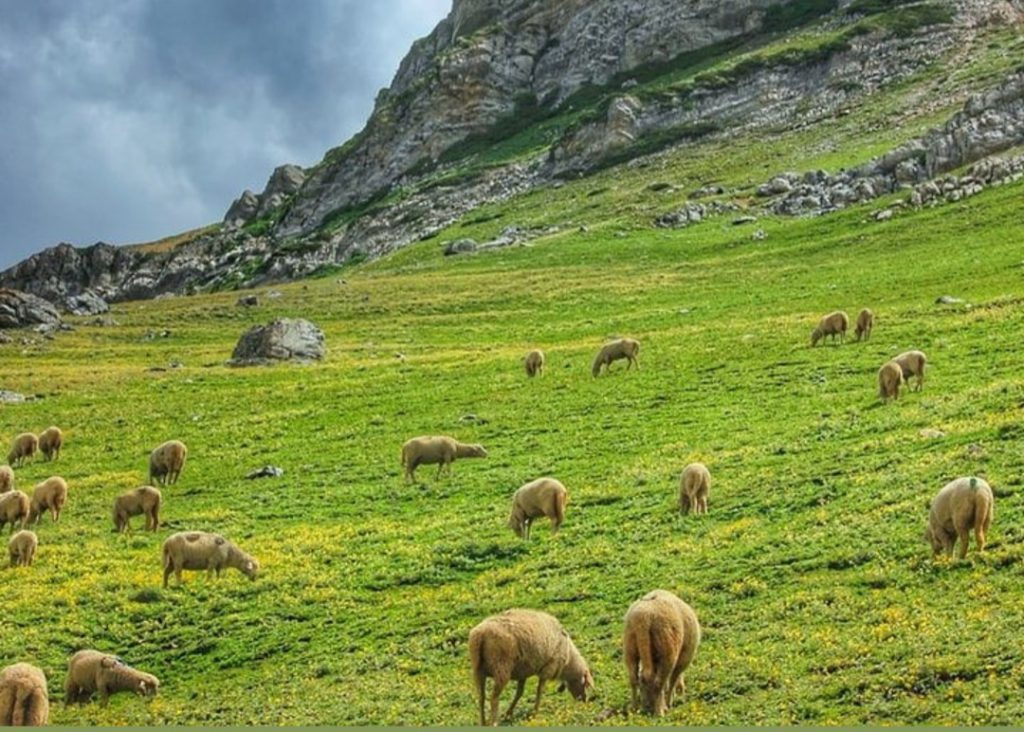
x=50 y=495
x=6 y=478
x=865 y=322
x=622 y=348
x=889 y=378
x=14 y=509
x=24 y=701
x=833 y=324
x=166 y=462
x=534 y=363
x=92 y=672
x=693 y=488
x=440 y=451
x=660 y=641
x=145 y=500
x=201 y=550
x=50 y=442
x=912 y=363
x=541 y=497
x=23 y=447
x=962 y=504
x=22 y=548
x=518 y=644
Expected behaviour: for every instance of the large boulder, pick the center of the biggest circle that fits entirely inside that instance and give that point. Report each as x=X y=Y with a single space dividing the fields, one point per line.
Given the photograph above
x=285 y=339
x=86 y=303
x=20 y=310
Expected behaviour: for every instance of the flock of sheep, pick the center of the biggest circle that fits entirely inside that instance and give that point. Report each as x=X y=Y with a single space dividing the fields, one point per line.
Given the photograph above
x=662 y=633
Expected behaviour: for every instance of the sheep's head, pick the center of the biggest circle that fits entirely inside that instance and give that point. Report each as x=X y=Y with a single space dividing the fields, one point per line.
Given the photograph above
x=516 y=525
x=579 y=684
x=477 y=451
x=12 y=456
x=148 y=686
x=250 y=568
x=816 y=336
x=931 y=539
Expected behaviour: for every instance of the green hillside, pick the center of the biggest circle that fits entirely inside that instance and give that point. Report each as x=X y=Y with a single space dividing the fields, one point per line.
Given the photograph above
x=820 y=602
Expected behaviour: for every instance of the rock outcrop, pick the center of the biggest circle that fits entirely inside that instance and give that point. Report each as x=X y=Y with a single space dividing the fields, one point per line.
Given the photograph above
x=285 y=339
x=23 y=310
x=284 y=181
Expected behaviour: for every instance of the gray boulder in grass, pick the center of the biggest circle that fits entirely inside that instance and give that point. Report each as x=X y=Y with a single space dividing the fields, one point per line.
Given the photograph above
x=285 y=339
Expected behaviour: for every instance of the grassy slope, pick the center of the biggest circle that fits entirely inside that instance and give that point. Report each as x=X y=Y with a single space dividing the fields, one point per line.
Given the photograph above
x=818 y=599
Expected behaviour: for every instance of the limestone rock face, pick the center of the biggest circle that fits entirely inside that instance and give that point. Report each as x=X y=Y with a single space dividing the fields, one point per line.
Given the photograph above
x=22 y=310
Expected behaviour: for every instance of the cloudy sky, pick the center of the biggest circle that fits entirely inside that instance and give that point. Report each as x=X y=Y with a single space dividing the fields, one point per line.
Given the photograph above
x=129 y=120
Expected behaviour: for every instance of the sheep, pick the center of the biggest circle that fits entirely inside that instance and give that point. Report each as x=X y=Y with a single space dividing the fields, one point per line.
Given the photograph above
x=865 y=322
x=50 y=442
x=962 y=504
x=833 y=324
x=622 y=348
x=201 y=550
x=541 y=497
x=50 y=495
x=518 y=644
x=166 y=462
x=694 y=485
x=912 y=363
x=534 y=363
x=14 y=509
x=22 y=548
x=441 y=451
x=24 y=701
x=6 y=478
x=24 y=446
x=660 y=640
x=889 y=378
x=92 y=672
x=145 y=500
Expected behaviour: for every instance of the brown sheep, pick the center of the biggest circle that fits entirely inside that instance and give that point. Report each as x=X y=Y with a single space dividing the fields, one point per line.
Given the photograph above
x=889 y=378
x=622 y=348
x=201 y=550
x=92 y=672
x=14 y=509
x=50 y=495
x=166 y=462
x=518 y=644
x=24 y=701
x=534 y=363
x=661 y=638
x=6 y=478
x=833 y=324
x=22 y=548
x=50 y=442
x=440 y=451
x=541 y=497
x=912 y=363
x=865 y=322
x=145 y=500
x=962 y=505
x=694 y=485
x=24 y=446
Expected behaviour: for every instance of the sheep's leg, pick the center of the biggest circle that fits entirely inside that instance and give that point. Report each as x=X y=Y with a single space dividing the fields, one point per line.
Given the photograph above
x=520 y=686
x=632 y=669
x=964 y=535
x=496 y=689
x=540 y=691
x=979 y=535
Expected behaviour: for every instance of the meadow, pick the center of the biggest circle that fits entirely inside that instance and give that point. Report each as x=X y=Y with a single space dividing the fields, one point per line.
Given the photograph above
x=819 y=600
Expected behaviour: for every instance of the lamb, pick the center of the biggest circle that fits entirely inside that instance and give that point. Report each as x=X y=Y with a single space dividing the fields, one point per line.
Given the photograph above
x=201 y=550
x=50 y=495
x=24 y=446
x=534 y=363
x=622 y=348
x=6 y=478
x=833 y=324
x=91 y=672
x=440 y=451
x=518 y=644
x=889 y=378
x=912 y=363
x=145 y=500
x=693 y=488
x=50 y=442
x=541 y=497
x=962 y=504
x=14 y=509
x=660 y=641
x=22 y=548
x=865 y=322
x=24 y=701
x=166 y=462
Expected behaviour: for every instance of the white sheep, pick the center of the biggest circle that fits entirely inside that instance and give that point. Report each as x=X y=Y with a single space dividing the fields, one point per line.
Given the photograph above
x=534 y=363
x=91 y=672
x=962 y=505
x=199 y=550
x=694 y=485
x=913 y=363
x=22 y=548
x=889 y=378
x=50 y=442
x=50 y=495
x=24 y=446
x=145 y=500
x=834 y=324
x=14 y=509
x=541 y=497
x=441 y=451
x=865 y=322
x=626 y=348
x=166 y=462
x=6 y=478
x=24 y=701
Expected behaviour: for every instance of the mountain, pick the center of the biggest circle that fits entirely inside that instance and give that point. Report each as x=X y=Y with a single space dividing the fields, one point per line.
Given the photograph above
x=504 y=98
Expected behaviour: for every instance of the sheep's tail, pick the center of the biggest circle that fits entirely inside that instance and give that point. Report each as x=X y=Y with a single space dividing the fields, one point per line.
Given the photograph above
x=476 y=660
x=642 y=638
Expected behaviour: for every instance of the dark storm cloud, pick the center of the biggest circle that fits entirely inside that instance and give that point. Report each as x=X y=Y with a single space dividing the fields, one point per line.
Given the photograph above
x=128 y=120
